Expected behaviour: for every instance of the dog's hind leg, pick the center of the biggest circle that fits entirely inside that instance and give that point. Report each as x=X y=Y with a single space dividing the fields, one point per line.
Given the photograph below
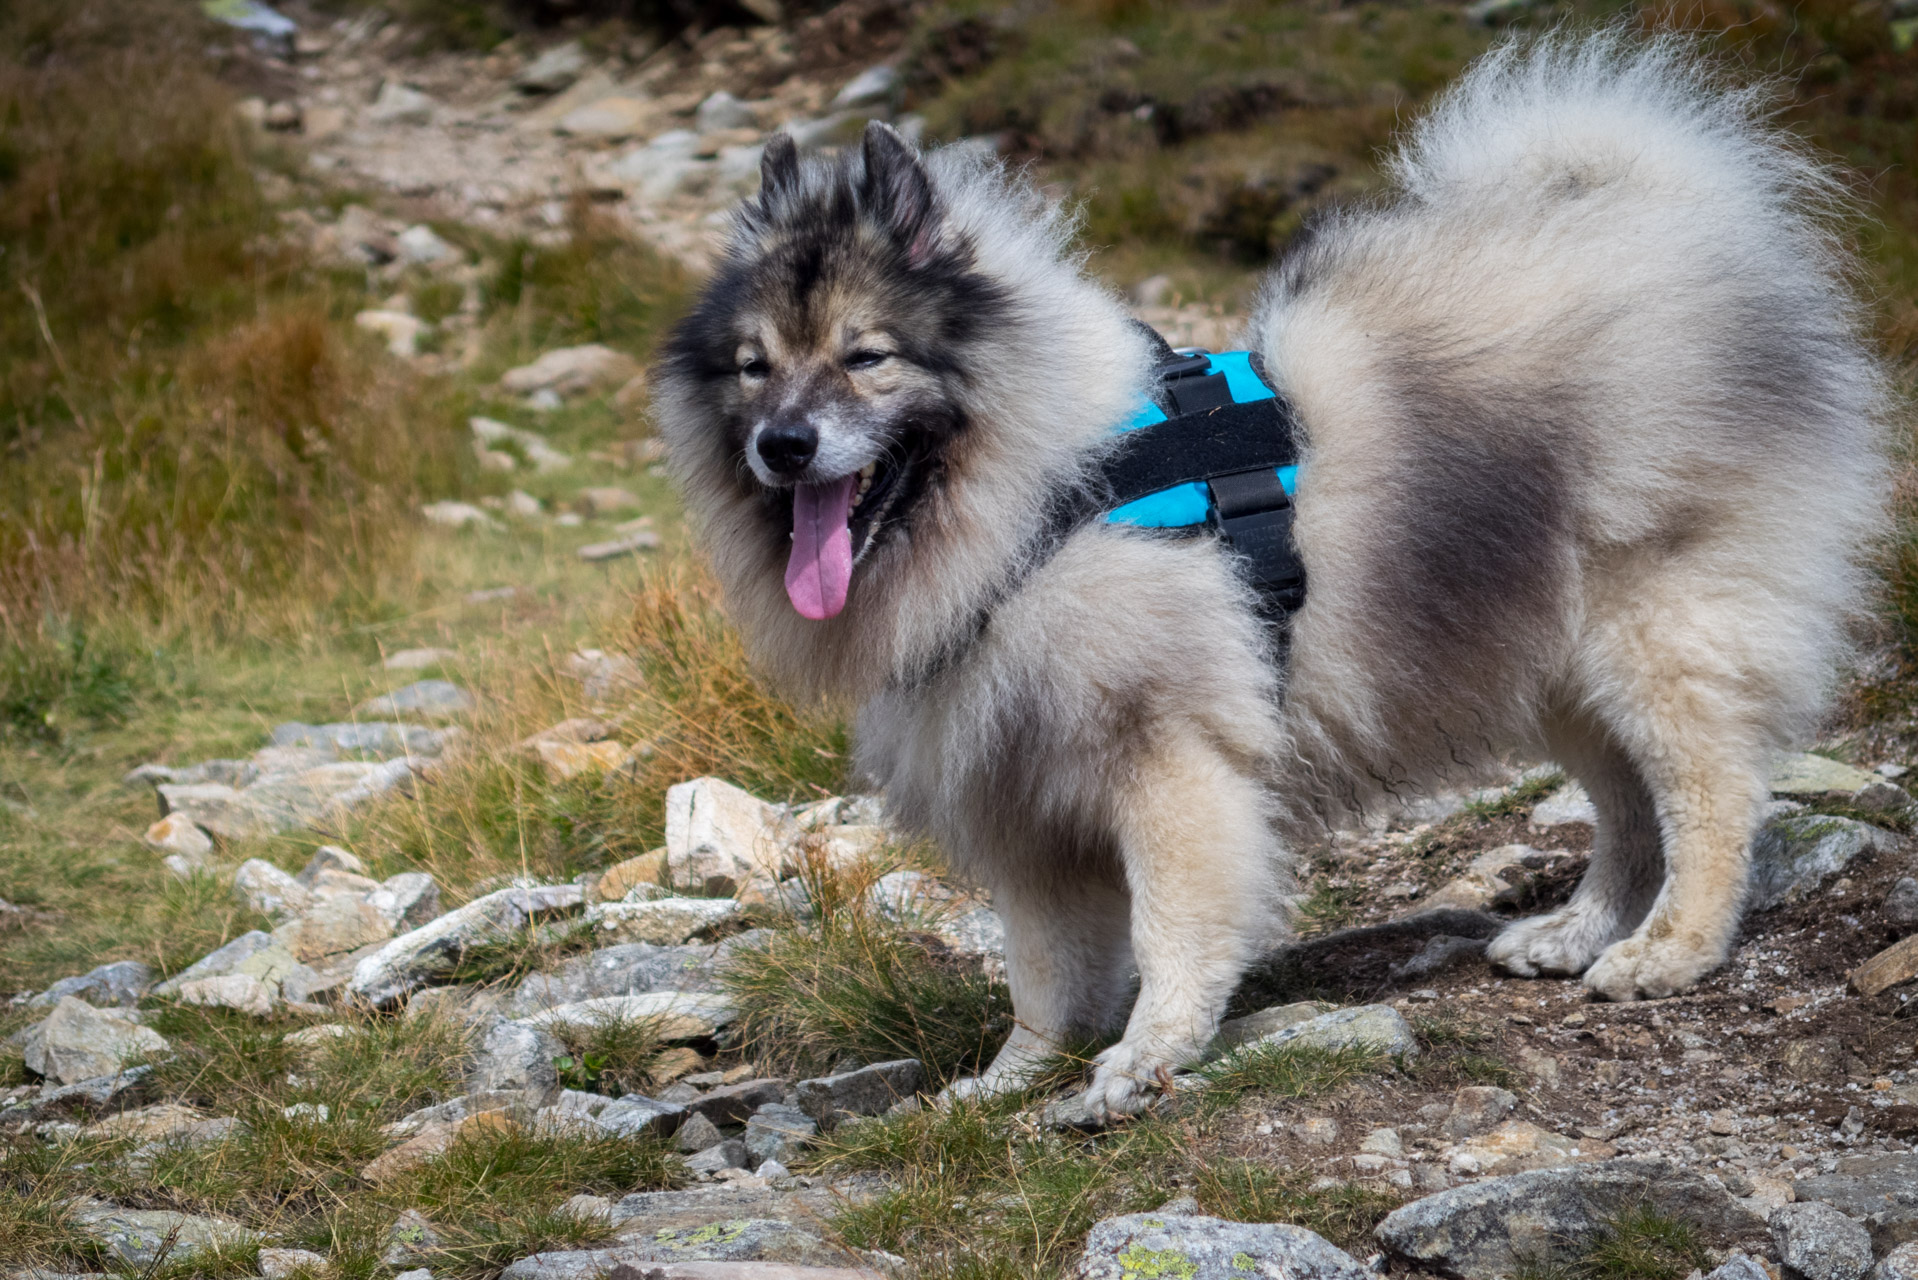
x=1622 y=878
x=1200 y=860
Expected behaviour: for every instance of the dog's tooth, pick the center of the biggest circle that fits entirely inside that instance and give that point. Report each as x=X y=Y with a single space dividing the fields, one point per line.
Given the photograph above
x=865 y=472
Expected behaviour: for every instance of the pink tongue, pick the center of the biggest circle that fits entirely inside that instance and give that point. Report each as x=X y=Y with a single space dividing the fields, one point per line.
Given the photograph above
x=821 y=564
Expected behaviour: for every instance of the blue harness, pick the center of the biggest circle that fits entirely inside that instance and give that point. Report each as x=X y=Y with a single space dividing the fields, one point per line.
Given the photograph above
x=1214 y=451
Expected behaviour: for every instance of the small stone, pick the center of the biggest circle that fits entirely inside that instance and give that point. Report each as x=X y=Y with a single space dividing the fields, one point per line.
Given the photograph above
x=565 y=760
x=1816 y=1242
x=269 y=890
x=1741 y=1266
x=697 y=1134
x=139 y=1238
x=1383 y=1142
x=524 y=505
x=637 y=1114
x=1901 y=904
x=634 y=874
x=284 y=1264
x=1794 y=854
x=411 y=1238
x=721 y=111
x=1489 y=880
x=1318 y=1131
x=1881 y=1188
x=585 y=1208
x=571 y=371
x=147 y=1124
x=400 y=331
x=670 y=1015
x=1518 y=1145
x=417 y=659
x=333 y=927
x=1254 y=1026
x=397 y=104
x=870 y=87
x=457 y=515
x=1894 y=965
x=869 y=1091
x=177 y=834
x=422 y=246
x=1374 y=1026
x=1496 y=1227
x=240 y=992
x=606 y=501
x=662 y=921
x=422 y=697
x=612 y=118
x=630 y=544
x=555 y=69
x=1193 y=1247
x=514 y=1055
x=407 y=900
x=121 y=983
x=307 y=1039
x=1804 y=776
x=735 y=1103
x=779 y=1132
x=730 y=1153
x=720 y=837
x=1900 y=1264
x=77 y=1042
x=433 y=949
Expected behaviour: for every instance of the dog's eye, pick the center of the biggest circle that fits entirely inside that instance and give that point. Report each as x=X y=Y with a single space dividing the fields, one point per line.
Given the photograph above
x=756 y=367
x=867 y=359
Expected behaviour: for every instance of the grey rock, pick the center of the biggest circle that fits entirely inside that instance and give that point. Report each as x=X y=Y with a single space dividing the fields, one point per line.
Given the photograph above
x=1490 y=1229
x=697 y=1134
x=870 y=87
x=1901 y=904
x=732 y=1240
x=407 y=900
x=97 y=1096
x=1804 y=775
x=1740 y=1266
x=1881 y=1189
x=553 y=70
x=1477 y=1109
x=1794 y=854
x=1371 y=1026
x=1817 y=1242
x=977 y=934
x=135 y=1237
x=430 y=951
x=78 y=1042
x=728 y=1153
x=226 y=773
x=120 y=983
x=284 y=1264
x=329 y=857
x=512 y=1055
x=271 y=891
x=1194 y=1247
x=631 y=968
x=422 y=697
x=1255 y=1026
x=869 y=1091
x=1071 y=1112
x=411 y=1239
x=635 y=1114
x=779 y=1132
x=723 y=111
x=376 y=738
x=397 y=104
x=1563 y=807
x=734 y=1103
x=219 y=962
x=1900 y=1264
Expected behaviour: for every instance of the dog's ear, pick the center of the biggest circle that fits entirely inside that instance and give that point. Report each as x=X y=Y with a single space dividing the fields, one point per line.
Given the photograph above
x=778 y=169
x=898 y=191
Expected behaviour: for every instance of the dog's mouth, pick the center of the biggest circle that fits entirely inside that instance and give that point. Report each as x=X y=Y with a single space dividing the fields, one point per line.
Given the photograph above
x=833 y=523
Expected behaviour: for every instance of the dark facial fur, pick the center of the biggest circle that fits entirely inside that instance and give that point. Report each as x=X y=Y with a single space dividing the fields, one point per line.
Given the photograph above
x=841 y=322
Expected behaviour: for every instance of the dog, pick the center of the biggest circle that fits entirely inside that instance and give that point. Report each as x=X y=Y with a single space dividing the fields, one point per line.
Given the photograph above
x=1592 y=471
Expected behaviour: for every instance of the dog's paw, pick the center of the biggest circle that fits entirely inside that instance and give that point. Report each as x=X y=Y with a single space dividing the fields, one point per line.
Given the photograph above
x=1124 y=1082
x=1642 y=969
x=1563 y=942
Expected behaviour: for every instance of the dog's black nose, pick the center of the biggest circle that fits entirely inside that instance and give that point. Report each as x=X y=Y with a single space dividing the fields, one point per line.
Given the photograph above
x=787 y=447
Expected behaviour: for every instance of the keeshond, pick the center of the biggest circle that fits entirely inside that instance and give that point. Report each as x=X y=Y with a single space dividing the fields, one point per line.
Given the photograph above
x=1592 y=468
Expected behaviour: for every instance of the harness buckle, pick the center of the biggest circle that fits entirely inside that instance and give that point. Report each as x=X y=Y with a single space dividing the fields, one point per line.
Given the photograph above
x=1253 y=513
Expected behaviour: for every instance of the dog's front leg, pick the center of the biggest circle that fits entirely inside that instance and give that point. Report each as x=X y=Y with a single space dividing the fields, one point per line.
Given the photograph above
x=1201 y=863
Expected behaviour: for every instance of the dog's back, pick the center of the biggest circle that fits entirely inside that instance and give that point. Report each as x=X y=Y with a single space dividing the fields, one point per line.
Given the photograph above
x=1590 y=391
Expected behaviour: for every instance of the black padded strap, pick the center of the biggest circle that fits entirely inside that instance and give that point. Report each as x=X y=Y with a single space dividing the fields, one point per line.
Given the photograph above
x=1218 y=442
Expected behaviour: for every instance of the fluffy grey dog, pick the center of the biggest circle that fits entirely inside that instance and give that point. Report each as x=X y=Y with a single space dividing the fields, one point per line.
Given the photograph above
x=1591 y=463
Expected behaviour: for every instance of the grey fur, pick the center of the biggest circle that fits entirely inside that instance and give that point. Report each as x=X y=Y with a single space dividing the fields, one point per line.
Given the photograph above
x=1593 y=465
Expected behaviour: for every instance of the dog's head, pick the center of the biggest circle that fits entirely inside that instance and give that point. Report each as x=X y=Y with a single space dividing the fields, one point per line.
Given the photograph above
x=828 y=349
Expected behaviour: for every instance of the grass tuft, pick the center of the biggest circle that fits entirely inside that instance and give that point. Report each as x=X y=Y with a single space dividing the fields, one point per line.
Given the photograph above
x=1638 y=1243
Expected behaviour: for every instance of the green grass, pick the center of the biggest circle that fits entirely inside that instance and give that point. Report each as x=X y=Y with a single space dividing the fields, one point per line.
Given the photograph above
x=1519 y=798
x=1638 y=1243
x=982 y=1190
x=855 y=984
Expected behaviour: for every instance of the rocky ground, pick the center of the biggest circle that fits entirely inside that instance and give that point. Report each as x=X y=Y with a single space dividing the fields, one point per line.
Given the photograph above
x=719 y=1057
